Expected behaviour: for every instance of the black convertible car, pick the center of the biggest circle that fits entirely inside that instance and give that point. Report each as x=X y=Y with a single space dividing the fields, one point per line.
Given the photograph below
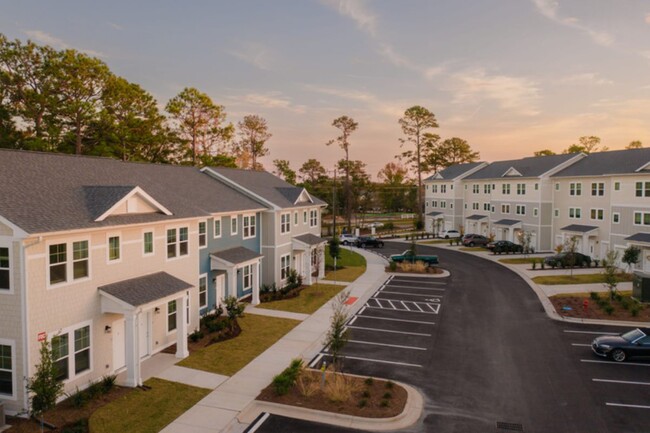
x=634 y=343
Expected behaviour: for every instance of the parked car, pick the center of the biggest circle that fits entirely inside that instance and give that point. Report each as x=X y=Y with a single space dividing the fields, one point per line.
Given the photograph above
x=348 y=239
x=369 y=241
x=499 y=247
x=408 y=256
x=630 y=344
x=475 y=240
x=566 y=259
x=451 y=233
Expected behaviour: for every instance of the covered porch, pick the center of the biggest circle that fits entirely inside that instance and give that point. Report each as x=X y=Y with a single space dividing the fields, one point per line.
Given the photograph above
x=477 y=224
x=242 y=270
x=506 y=229
x=434 y=222
x=138 y=301
x=587 y=238
x=309 y=257
x=642 y=241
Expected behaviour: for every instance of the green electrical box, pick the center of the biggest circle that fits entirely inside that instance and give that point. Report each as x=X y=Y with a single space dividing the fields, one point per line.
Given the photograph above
x=641 y=286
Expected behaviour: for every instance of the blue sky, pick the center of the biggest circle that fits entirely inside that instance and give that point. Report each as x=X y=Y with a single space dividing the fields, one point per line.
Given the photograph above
x=509 y=76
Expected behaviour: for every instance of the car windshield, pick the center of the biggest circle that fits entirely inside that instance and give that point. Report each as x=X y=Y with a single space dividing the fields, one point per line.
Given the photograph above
x=633 y=335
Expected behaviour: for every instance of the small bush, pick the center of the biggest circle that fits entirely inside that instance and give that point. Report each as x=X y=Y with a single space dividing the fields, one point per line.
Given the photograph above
x=78 y=399
x=602 y=302
x=94 y=390
x=369 y=381
x=285 y=380
x=543 y=264
x=363 y=402
x=594 y=296
x=609 y=309
x=307 y=384
x=625 y=303
x=108 y=382
x=390 y=385
x=366 y=393
x=196 y=336
x=340 y=388
x=216 y=325
x=534 y=264
x=634 y=310
x=384 y=403
x=392 y=266
x=387 y=395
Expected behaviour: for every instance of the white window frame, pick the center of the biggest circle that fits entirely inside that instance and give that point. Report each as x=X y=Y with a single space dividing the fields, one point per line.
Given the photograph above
x=443 y=189
x=505 y=189
x=14 y=382
x=285 y=268
x=249 y=230
x=643 y=216
x=617 y=186
x=598 y=212
x=205 y=234
x=304 y=217
x=295 y=218
x=521 y=189
x=216 y=235
x=177 y=242
x=313 y=218
x=203 y=277
x=644 y=190
x=575 y=189
x=505 y=208
x=69 y=262
x=486 y=207
x=234 y=225
x=443 y=204
x=247 y=273
x=434 y=203
x=10 y=289
x=520 y=209
x=175 y=314
x=72 y=375
x=535 y=211
x=475 y=188
x=144 y=243
x=475 y=206
x=616 y=218
x=109 y=236
x=576 y=211
x=597 y=189
x=556 y=213
x=285 y=226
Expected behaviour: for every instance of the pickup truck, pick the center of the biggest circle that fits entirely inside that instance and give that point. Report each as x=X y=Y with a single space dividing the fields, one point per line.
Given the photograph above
x=408 y=256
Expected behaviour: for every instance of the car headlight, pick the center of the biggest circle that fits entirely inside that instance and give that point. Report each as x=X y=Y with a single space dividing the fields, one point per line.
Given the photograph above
x=605 y=346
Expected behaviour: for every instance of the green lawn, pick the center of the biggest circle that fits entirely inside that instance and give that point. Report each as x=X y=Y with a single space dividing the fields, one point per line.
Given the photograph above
x=577 y=279
x=354 y=265
x=146 y=411
x=228 y=357
x=588 y=295
x=520 y=260
x=347 y=274
x=435 y=241
x=472 y=249
x=310 y=299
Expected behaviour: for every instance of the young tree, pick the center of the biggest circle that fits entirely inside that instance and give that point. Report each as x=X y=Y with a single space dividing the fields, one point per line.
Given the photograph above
x=394 y=187
x=44 y=386
x=338 y=335
x=610 y=272
x=571 y=247
x=283 y=169
x=415 y=124
x=347 y=126
x=253 y=134
x=544 y=152
x=199 y=124
x=636 y=144
x=588 y=144
x=525 y=240
x=631 y=256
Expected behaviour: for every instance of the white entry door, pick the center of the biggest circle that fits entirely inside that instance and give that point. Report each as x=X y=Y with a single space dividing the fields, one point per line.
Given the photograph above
x=220 y=283
x=119 y=345
x=144 y=334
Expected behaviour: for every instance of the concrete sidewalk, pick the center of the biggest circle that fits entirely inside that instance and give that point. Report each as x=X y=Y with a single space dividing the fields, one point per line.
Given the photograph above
x=219 y=410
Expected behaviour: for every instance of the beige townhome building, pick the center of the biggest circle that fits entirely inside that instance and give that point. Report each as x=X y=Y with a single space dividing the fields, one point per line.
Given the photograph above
x=102 y=258
x=603 y=201
x=291 y=224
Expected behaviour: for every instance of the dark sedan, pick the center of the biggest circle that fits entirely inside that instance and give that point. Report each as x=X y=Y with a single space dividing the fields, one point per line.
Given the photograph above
x=498 y=247
x=565 y=260
x=369 y=241
x=631 y=344
x=475 y=240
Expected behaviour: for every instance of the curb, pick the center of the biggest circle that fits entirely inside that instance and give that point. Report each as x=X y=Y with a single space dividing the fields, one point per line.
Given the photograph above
x=410 y=415
x=444 y=274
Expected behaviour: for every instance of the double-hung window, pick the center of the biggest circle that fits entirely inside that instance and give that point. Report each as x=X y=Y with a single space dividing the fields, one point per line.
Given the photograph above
x=247 y=274
x=285 y=264
x=147 y=241
x=233 y=225
x=313 y=218
x=575 y=188
x=304 y=217
x=183 y=241
x=285 y=223
x=61 y=356
x=598 y=188
x=5 y=277
x=443 y=189
x=521 y=189
x=60 y=266
x=203 y=291
x=58 y=263
x=505 y=208
x=80 y=261
x=505 y=188
x=113 y=248
x=81 y=349
x=177 y=242
x=203 y=234
x=575 y=212
x=249 y=226
x=596 y=214
x=6 y=370
x=642 y=218
x=171 y=315
x=642 y=189
x=475 y=188
x=520 y=209
x=71 y=352
x=217 y=227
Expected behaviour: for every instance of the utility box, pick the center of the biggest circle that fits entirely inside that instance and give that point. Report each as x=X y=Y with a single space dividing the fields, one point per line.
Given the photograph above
x=641 y=286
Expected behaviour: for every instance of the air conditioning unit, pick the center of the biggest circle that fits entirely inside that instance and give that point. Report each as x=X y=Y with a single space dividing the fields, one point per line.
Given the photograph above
x=641 y=286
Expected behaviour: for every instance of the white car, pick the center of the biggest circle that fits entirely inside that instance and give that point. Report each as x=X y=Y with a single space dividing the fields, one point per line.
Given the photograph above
x=348 y=239
x=451 y=233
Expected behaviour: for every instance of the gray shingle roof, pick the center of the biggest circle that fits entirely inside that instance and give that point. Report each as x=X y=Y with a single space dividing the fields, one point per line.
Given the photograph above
x=533 y=166
x=476 y=217
x=612 y=162
x=310 y=239
x=578 y=228
x=44 y=192
x=507 y=222
x=454 y=171
x=236 y=255
x=639 y=237
x=142 y=290
x=267 y=186
x=432 y=214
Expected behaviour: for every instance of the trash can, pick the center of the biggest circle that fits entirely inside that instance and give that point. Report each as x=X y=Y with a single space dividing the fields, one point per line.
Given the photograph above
x=641 y=286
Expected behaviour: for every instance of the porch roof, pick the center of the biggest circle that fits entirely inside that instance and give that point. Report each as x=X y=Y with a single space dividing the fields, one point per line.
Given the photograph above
x=143 y=290
x=433 y=214
x=236 y=255
x=639 y=237
x=476 y=217
x=310 y=239
x=579 y=228
x=507 y=222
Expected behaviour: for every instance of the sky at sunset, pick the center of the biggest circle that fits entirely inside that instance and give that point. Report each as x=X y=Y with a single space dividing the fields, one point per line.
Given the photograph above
x=509 y=76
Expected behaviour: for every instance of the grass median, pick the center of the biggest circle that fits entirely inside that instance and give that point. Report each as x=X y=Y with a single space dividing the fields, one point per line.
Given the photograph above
x=228 y=357
x=520 y=261
x=550 y=280
x=146 y=411
x=351 y=265
x=309 y=300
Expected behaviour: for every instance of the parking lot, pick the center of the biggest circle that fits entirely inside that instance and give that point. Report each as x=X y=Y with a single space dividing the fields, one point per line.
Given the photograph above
x=393 y=328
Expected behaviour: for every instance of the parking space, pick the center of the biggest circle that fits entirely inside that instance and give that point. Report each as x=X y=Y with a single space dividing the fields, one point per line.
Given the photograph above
x=394 y=327
x=622 y=389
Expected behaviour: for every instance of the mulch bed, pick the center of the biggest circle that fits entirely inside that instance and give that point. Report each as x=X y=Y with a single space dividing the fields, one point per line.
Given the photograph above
x=373 y=394
x=594 y=311
x=279 y=295
x=65 y=415
x=208 y=337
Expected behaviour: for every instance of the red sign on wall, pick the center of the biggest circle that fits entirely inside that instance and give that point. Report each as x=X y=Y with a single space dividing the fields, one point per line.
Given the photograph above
x=42 y=336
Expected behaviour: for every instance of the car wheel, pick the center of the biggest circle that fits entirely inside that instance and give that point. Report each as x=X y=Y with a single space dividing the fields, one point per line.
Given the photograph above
x=618 y=355
x=362 y=246
x=380 y=245
x=344 y=243
x=471 y=244
x=446 y=236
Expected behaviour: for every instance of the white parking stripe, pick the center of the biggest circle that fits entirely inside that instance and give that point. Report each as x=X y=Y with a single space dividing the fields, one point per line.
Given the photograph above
x=259 y=423
x=316 y=360
x=580 y=345
x=634 y=406
x=399 y=320
x=408 y=294
x=405 y=311
x=625 y=382
x=595 y=361
x=404 y=305
x=397 y=346
x=383 y=362
x=361 y=310
x=416 y=288
x=419 y=334
x=400 y=280
x=591 y=332
x=418 y=306
x=391 y=304
x=354 y=319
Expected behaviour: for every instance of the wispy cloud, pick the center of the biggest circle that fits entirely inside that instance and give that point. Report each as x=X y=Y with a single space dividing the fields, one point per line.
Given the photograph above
x=59 y=44
x=115 y=26
x=370 y=101
x=549 y=8
x=274 y=100
x=587 y=78
x=516 y=94
x=254 y=54
x=358 y=11
x=647 y=18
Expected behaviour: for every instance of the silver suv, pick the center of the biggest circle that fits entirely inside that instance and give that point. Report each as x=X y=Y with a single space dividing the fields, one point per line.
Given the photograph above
x=348 y=239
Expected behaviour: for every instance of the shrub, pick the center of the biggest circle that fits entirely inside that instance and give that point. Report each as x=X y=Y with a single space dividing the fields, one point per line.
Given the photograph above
x=307 y=384
x=625 y=303
x=634 y=310
x=618 y=297
x=77 y=399
x=108 y=382
x=196 y=336
x=387 y=395
x=594 y=296
x=543 y=265
x=216 y=326
x=285 y=380
x=366 y=393
x=384 y=403
x=94 y=390
x=392 y=266
x=534 y=264
x=339 y=388
x=369 y=381
x=363 y=402
x=602 y=302
x=609 y=309
x=389 y=384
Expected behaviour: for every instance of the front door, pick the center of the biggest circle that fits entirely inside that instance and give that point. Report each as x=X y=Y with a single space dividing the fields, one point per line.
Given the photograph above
x=143 y=326
x=220 y=283
x=119 y=345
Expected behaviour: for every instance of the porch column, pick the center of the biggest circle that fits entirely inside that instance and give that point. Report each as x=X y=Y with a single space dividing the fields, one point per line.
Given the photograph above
x=231 y=289
x=181 y=327
x=132 y=355
x=307 y=266
x=321 y=262
x=256 y=283
x=585 y=244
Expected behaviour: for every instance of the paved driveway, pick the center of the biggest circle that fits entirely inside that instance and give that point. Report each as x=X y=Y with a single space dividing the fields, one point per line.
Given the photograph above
x=488 y=359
